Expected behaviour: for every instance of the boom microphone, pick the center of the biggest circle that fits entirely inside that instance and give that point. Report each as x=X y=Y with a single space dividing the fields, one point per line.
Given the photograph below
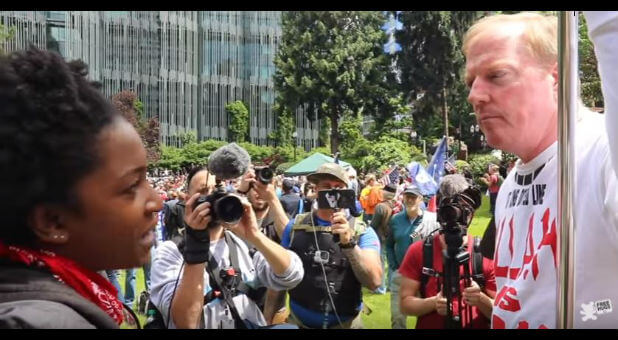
x=229 y=161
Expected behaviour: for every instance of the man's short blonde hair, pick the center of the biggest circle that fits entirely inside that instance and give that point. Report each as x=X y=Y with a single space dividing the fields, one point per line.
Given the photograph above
x=540 y=35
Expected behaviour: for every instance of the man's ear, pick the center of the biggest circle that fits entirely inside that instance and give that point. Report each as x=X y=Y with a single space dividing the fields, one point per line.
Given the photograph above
x=555 y=77
x=46 y=223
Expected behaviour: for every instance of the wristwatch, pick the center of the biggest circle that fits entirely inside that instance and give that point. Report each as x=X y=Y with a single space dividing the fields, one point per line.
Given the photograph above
x=348 y=245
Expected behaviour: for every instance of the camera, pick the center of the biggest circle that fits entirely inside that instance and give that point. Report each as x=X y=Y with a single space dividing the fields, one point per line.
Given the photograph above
x=456 y=210
x=264 y=174
x=224 y=207
x=455 y=214
x=336 y=199
x=321 y=256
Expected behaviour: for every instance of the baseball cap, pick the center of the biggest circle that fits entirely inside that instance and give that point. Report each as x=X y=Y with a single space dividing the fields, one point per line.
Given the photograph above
x=331 y=170
x=413 y=189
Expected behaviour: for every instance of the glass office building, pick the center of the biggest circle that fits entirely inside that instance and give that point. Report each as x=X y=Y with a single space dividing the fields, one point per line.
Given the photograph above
x=185 y=66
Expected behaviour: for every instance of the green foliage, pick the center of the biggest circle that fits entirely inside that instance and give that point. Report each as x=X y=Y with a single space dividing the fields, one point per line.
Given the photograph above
x=187 y=138
x=386 y=151
x=6 y=33
x=462 y=166
x=479 y=164
x=258 y=153
x=238 y=121
x=283 y=167
x=332 y=62
x=590 y=81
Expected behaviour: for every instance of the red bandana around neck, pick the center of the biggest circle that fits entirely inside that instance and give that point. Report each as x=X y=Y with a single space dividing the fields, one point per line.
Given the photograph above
x=88 y=284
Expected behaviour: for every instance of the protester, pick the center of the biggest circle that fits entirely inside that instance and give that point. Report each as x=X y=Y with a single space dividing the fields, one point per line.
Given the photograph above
x=330 y=295
x=379 y=223
x=290 y=200
x=493 y=180
x=74 y=192
x=411 y=224
x=512 y=72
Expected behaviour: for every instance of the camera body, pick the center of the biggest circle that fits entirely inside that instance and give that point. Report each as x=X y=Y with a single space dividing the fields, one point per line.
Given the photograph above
x=455 y=214
x=224 y=207
x=321 y=256
x=264 y=174
x=336 y=199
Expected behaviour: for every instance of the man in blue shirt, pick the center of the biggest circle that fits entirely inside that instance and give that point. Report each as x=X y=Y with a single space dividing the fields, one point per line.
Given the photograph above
x=407 y=226
x=330 y=294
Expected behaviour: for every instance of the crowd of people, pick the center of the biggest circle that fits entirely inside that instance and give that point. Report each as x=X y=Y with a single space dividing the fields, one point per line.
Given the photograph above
x=218 y=252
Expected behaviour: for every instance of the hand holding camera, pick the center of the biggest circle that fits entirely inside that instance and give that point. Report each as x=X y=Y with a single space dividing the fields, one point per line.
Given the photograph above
x=340 y=226
x=247 y=227
x=197 y=216
x=246 y=181
x=472 y=294
x=440 y=304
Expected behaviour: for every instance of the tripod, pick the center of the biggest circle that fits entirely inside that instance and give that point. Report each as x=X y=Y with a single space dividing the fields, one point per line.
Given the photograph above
x=453 y=257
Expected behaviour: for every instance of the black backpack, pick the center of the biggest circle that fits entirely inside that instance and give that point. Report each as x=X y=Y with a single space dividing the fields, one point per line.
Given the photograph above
x=428 y=271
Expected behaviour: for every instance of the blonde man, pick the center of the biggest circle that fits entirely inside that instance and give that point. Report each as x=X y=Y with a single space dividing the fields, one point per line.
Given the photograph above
x=512 y=74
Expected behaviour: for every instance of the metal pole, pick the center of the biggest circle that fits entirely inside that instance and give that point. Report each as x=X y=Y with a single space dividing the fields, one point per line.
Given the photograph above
x=567 y=104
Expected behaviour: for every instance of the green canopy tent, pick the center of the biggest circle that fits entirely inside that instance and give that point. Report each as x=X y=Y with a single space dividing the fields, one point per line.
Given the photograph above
x=311 y=164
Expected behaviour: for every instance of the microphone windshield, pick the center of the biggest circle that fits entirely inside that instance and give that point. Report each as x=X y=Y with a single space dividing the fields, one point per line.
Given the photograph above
x=229 y=161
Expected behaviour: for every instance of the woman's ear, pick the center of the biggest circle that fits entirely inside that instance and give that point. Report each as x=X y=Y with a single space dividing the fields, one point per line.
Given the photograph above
x=46 y=223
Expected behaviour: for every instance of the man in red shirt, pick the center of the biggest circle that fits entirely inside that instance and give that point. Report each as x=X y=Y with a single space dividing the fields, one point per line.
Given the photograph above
x=430 y=306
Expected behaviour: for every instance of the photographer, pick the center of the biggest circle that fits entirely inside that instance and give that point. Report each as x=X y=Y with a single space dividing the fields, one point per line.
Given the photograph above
x=271 y=219
x=184 y=292
x=428 y=303
x=330 y=295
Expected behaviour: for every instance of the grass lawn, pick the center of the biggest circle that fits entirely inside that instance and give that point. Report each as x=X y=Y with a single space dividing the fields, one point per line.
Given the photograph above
x=379 y=311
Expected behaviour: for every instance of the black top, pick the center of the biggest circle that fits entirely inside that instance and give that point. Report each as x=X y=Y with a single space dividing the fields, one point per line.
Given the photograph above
x=290 y=203
x=33 y=298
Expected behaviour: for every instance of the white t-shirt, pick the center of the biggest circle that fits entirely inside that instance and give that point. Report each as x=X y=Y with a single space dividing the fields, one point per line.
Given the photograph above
x=526 y=217
x=256 y=272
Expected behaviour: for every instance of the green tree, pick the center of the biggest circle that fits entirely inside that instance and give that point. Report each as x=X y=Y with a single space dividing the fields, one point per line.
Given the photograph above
x=6 y=33
x=589 y=75
x=238 y=121
x=431 y=64
x=333 y=63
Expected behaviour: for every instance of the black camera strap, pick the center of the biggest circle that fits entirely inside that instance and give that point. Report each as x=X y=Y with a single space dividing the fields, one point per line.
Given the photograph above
x=477 y=264
x=226 y=292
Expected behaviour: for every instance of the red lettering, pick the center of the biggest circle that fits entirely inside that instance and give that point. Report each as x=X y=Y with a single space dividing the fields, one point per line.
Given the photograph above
x=522 y=325
x=506 y=299
x=529 y=254
x=542 y=327
x=501 y=271
x=497 y=323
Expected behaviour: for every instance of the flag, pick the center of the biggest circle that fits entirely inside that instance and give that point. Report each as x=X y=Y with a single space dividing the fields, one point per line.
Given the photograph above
x=422 y=179
x=390 y=176
x=436 y=166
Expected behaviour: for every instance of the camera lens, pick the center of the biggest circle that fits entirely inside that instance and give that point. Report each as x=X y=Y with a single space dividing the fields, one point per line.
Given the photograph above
x=229 y=209
x=450 y=213
x=265 y=175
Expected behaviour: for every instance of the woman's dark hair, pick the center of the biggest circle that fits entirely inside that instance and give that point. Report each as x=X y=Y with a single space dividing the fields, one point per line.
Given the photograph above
x=50 y=119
